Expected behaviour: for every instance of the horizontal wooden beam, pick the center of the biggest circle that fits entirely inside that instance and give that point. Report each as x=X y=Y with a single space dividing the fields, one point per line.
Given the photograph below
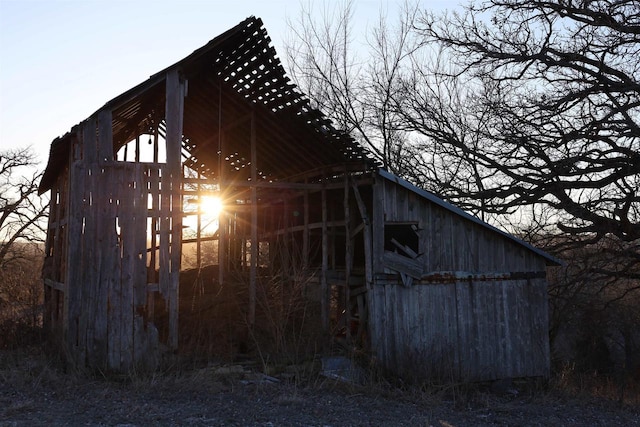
x=328 y=185
x=275 y=185
x=201 y=181
x=445 y=277
x=315 y=225
x=403 y=264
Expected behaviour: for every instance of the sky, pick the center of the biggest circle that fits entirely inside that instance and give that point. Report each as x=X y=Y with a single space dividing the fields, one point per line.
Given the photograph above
x=61 y=60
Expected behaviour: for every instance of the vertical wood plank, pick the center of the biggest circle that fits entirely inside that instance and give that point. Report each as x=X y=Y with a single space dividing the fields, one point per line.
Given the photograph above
x=165 y=220
x=174 y=110
x=139 y=279
x=74 y=283
x=379 y=218
x=125 y=217
x=125 y=197
x=90 y=257
x=152 y=276
x=366 y=234
x=199 y=224
x=305 y=232
x=222 y=217
x=348 y=256
x=141 y=231
x=372 y=321
x=137 y=154
x=324 y=289
x=254 y=223
x=154 y=191
x=105 y=137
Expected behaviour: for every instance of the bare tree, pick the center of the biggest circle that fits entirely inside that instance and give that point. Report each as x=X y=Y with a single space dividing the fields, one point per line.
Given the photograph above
x=544 y=121
x=525 y=113
x=22 y=222
x=353 y=82
x=508 y=105
x=22 y=211
x=552 y=110
x=541 y=117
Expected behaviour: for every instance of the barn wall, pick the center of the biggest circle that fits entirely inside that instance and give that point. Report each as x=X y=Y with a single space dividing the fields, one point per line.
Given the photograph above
x=464 y=330
x=100 y=273
x=447 y=241
x=106 y=317
x=471 y=304
x=54 y=268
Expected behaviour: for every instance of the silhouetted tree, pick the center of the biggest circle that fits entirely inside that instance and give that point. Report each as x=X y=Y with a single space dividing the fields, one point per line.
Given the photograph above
x=551 y=106
x=22 y=222
x=523 y=112
x=356 y=84
x=22 y=211
x=508 y=104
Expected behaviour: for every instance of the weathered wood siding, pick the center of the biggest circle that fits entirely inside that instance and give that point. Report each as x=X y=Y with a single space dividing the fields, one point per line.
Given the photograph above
x=55 y=263
x=106 y=286
x=489 y=326
x=463 y=330
x=447 y=241
x=100 y=272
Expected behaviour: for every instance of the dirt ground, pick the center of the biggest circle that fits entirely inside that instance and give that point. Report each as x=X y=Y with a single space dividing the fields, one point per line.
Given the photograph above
x=33 y=392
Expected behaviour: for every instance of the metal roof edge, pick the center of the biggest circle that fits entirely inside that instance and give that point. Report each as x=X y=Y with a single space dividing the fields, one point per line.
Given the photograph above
x=452 y=208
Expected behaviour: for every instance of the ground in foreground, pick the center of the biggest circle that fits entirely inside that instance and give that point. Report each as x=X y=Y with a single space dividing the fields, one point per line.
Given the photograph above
x=34 y=392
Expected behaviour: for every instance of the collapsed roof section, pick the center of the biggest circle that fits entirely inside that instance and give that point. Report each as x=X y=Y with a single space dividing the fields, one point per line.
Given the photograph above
x=234 y=76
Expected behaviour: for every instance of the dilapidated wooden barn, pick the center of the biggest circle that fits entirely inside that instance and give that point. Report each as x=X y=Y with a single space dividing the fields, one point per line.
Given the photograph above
x=417 y=282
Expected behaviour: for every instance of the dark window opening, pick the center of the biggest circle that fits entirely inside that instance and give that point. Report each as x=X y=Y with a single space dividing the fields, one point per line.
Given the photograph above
x=402 y=238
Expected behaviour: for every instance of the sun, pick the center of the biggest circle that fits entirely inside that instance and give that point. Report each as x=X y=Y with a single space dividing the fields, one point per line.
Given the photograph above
x=203 y=214
x=211 y=206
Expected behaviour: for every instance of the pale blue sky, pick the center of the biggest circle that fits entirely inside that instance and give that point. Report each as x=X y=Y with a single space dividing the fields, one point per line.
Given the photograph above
x=61 y=60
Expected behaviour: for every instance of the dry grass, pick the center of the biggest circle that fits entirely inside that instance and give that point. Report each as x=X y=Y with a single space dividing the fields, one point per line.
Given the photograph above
x=278 y=361
x=580 y=385
x=21 y=296
x=36 y=385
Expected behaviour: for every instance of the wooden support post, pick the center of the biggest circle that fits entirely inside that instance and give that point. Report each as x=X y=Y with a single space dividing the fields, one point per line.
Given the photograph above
x=107 y=319
x=254 y=223
x=155 y=143
x=154 y=189
x=363 y=309
x=137 y=155
x=124 y=192
x=199 y=224
x=174 y=117
x=164 y=277
x=366 y=231
x=332 y=241
x=105 y=138
x=154 y=193
x=222 y=217
x=324 y=291
x=88 y=262
x=377 y=226
x=75 y=278
x=305 y=233
x=287 y=262
x=348 y=255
